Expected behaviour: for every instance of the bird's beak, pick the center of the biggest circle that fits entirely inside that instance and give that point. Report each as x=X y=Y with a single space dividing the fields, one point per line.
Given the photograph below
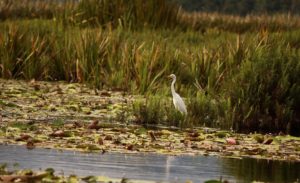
x=169 y=76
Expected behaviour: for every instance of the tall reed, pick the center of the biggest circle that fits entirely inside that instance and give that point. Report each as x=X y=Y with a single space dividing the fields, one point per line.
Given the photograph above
x=248 y=81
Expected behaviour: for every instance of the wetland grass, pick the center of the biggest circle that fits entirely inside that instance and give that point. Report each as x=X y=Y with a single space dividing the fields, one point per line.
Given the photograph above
x=239 y=72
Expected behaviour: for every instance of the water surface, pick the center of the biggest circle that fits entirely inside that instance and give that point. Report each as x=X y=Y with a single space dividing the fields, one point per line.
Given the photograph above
x=151 y=166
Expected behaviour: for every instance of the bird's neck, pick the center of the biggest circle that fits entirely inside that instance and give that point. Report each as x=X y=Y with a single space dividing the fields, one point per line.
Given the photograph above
x=173 y=87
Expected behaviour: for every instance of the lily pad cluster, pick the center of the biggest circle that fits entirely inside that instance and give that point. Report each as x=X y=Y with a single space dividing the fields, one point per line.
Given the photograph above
x=48 y=176
x=104 y=137
x=47 y=101
x=71 y=116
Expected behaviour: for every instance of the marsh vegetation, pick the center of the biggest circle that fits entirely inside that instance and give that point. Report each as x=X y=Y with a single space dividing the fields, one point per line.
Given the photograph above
x=234 y=72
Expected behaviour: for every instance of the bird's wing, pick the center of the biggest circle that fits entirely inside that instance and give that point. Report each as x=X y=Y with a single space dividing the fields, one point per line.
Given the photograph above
x=179 y=104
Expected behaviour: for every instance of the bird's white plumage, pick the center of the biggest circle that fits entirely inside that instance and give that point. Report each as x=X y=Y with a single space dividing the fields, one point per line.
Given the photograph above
x=177 y=100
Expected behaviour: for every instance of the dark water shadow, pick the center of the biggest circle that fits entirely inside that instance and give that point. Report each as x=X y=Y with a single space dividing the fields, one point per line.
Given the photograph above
x=151 y=166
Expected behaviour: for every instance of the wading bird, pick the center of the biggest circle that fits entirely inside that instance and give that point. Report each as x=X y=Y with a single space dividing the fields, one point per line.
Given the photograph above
x=177 y=100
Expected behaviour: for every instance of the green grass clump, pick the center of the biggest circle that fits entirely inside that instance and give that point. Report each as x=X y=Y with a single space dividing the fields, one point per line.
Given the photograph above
x=148 y=112
x=203 y=110
x=157 y=110
x=264 y=89
x=57 y=123
x=23 y=126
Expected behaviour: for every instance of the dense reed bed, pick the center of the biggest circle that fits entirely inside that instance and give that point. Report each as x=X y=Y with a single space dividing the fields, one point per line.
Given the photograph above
x=240 y=73
x=237 y=24
x=29 y=9
x=136 y=14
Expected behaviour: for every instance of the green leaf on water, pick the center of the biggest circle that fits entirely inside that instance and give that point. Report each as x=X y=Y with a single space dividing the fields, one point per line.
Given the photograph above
x=212 y=181
x=221 y=134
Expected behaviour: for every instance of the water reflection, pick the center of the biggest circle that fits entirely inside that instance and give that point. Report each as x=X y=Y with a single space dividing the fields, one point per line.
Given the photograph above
x=263 y=170
x=151 y=167
x=168 y=166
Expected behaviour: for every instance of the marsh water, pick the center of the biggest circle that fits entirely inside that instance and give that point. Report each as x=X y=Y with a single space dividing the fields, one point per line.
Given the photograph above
x=151 y=166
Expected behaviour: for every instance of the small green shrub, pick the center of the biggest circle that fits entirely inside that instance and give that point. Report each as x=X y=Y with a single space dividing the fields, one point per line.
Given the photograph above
x=203 y=110
x=157 y=110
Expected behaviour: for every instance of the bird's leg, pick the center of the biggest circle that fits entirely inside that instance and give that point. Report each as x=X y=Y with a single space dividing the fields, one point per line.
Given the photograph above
x=189 y=123
x=183 y=121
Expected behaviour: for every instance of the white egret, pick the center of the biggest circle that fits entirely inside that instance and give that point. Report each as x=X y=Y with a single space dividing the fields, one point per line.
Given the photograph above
x=177 y=100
